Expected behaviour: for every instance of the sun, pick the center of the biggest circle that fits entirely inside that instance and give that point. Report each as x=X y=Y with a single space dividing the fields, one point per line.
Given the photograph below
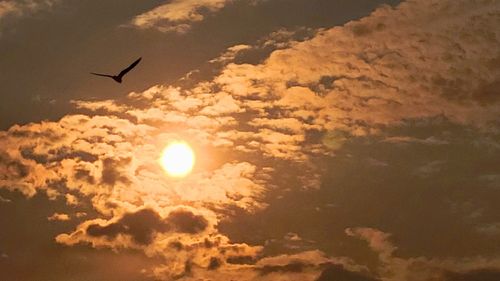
x=177 y=159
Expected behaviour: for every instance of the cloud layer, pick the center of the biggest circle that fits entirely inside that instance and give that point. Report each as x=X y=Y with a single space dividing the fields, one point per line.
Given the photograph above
x=252 y=125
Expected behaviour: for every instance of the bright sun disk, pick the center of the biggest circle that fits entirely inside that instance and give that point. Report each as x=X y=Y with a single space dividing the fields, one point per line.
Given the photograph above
x=177 y=159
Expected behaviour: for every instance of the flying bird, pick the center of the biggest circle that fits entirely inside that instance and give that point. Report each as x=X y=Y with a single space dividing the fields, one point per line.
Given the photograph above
x=118 y=78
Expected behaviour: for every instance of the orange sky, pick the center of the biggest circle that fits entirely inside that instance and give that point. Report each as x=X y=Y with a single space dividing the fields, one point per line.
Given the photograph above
x=363 y=148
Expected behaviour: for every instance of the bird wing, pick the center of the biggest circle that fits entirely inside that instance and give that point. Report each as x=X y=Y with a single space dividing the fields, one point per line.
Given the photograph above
x=123 y=72
x=104 y=75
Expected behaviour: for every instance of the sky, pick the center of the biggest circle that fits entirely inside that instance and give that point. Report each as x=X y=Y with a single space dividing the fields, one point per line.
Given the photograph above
x=334 y=140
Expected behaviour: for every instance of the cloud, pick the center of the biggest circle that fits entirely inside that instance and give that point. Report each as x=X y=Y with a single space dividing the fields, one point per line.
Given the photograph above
x=377 y=240
x=7 y=7
x=337 y=272
x=19 y=8
x=4 y=200
x=394 y=268
x=111 y=171
x=359 y=77
x=187 y=222
x=59 y=217
x=139 y=225
x=231 y=53
x=11 y=168
x=142 y=224
x=305 y=266
x=178 y=15
x=482 y=274
x=406 y=139
x=11 y=171
x=71 y=200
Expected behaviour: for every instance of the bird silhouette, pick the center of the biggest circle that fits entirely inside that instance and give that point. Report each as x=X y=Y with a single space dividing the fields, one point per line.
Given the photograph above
x=118 y=78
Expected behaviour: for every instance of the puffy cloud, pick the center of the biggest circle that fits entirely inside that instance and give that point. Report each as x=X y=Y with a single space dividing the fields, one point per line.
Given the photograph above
x=71 y=199
x=139 y=225
x=113 y=164
x=178 y=15
x=362 y=75
x=59 y=217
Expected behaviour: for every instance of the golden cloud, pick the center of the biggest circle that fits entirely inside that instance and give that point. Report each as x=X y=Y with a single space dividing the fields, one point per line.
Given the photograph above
x=178 y=15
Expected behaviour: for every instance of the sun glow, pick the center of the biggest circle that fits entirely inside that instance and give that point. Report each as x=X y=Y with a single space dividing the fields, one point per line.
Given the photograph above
x=177 y=159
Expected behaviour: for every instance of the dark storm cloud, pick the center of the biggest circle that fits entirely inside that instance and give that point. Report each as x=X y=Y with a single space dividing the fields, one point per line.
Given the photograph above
x=140 y=226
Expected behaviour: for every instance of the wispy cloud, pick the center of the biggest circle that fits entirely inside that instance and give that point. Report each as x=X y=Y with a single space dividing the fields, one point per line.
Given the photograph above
x=23 y=7
x=178 y=15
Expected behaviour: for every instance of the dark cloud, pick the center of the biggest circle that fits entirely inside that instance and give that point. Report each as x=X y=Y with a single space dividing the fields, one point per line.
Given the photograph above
x=291 y=267
x=339 y=273
x=186 y=222
x=140 y=226
x=214 y=263
x=111 y=171
x=176 y=245
x=241 y=260
x=26 y=132
x=57 y=155
x=81 y=174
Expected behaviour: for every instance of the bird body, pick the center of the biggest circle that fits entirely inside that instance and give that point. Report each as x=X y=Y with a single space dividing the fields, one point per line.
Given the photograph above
x=118 y=78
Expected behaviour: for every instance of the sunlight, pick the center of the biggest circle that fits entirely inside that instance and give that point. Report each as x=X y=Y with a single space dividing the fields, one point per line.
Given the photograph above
x=177 y=159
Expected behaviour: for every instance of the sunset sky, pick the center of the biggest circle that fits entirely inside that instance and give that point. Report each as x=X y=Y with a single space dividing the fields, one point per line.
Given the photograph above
x=333 y=140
